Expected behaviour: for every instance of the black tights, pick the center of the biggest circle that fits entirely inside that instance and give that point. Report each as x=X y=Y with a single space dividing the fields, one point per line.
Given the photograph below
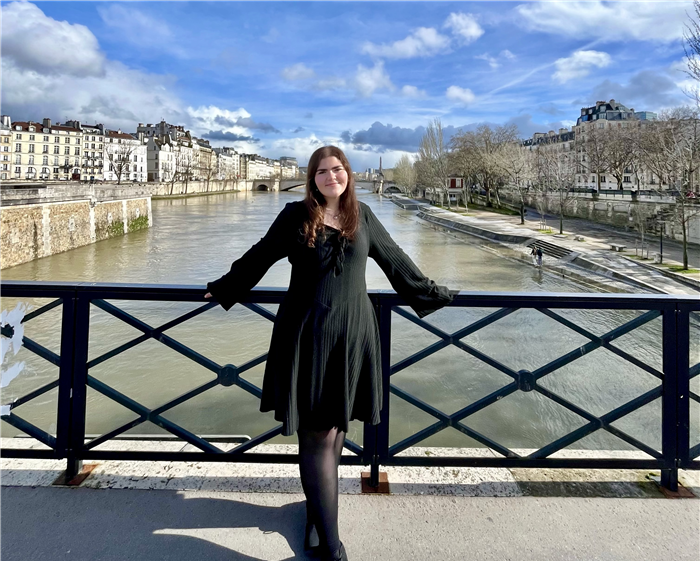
x=319 y=458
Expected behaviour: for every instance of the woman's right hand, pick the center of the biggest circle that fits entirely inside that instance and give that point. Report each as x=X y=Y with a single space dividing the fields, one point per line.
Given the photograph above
x=207 y=295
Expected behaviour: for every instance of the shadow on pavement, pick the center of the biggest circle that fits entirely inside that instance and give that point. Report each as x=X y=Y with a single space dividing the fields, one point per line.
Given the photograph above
x=85 y=524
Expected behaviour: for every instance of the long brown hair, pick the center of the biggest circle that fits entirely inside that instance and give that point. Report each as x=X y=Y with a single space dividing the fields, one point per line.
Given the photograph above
x=315 y=202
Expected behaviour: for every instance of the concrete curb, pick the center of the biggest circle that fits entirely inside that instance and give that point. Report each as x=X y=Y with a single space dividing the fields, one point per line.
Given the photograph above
x=671 y=275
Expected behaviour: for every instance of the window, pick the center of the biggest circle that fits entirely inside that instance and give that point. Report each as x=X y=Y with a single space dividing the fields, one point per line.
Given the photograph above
x=18 y=147
x=77 y=151
x=66 y=162
x=6 y=140
x=5 y=148
x=92 y=146
x=136 y=158
x=31 y=148
x=31 y=137
x=18 y=159
x=18 y=170
x=31 y=160
x=627 y=179
x=592 y=178
x=602 y=179
x=18 y=137
x=45 y=149
x=57 y=140
x=55 y=150
x=46 y=139
x=68 y=140
x=77 y=141
x=55 y=160
x=67 y=150
x=45 y=160
x=5 y=167
x=55 y=170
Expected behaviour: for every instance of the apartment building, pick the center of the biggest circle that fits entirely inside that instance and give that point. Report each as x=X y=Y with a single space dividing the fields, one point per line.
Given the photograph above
x=42 y=150
x=125 y=157
x=228 y=163
x=5 y=146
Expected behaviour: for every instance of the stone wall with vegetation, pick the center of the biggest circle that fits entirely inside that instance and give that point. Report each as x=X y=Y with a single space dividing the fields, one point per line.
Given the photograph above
x=625 y=214
x=31 y=231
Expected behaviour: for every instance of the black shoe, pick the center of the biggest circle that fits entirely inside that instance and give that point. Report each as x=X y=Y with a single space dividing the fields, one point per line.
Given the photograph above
x=338 y=555
x=311 y=541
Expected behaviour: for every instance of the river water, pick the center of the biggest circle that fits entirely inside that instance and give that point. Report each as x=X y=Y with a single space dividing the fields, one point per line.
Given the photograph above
x=194 y=240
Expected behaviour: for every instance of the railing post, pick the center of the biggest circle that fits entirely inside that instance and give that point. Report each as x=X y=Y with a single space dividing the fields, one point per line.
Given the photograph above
x=669 y=399
x=683 y=383
x=381 y=448
x=79 y=384
x=65 y=383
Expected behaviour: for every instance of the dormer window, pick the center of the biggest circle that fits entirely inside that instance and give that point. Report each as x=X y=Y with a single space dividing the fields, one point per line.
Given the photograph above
x=32 y=129
x=18 y=128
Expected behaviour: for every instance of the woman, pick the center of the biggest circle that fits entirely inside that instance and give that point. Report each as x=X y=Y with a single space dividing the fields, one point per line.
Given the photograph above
x=323 y=368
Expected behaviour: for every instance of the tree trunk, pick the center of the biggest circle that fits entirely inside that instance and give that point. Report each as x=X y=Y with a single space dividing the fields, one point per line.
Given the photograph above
x=522 y=212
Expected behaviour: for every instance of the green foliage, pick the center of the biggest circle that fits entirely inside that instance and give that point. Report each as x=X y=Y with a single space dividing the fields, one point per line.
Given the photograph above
x=137 y=223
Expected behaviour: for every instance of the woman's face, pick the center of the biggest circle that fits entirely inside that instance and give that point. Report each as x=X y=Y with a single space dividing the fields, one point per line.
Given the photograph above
x=331 y=178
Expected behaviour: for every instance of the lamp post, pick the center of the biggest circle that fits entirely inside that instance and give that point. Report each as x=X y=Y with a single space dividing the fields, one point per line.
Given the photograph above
x=661 y=224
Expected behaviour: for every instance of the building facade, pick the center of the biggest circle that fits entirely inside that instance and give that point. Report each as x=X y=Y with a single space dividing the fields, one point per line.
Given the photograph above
x=125 y=157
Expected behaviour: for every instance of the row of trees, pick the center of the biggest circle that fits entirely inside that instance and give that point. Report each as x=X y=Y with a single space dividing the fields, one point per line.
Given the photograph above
x=661 y=155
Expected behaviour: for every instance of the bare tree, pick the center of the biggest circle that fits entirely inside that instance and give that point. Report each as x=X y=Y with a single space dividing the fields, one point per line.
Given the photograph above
x=184 y=166
x=593 y=146
x=207 y=165
x=432 y=155
x=620 y=148
x=405 y=175
x=119 y=157
x=516 y=164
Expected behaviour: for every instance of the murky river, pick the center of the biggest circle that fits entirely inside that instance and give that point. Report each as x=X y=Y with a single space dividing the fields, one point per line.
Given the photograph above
x=194 y=240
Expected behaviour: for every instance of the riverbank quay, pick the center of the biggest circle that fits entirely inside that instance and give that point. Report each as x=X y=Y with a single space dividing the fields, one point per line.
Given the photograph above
x=131 y=525
x=588 y=258
x=39 y=221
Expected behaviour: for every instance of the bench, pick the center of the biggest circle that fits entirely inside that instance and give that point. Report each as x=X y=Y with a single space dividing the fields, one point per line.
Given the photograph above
x=616 y=247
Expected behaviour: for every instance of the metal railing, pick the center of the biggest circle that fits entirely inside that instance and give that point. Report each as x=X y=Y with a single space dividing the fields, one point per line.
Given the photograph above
x=76 y=300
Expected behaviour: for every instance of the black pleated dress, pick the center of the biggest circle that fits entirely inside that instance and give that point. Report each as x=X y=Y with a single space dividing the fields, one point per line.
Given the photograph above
x=323 y=368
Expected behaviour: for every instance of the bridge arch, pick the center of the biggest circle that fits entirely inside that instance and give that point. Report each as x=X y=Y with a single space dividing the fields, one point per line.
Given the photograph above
x=261 y=187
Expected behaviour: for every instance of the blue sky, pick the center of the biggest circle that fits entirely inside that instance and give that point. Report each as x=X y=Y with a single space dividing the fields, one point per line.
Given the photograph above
x=280 y=79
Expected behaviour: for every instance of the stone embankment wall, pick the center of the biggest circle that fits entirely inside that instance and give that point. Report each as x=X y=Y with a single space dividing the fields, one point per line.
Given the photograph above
x=34 y=225
x=620 y=213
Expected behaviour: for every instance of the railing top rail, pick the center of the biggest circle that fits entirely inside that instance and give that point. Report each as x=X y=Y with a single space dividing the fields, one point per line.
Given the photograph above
x=190 y=292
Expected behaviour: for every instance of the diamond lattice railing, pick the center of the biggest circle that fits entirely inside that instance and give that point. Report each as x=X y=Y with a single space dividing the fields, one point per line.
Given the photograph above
x=10 y=416
x=526 y=381
x=227 y=375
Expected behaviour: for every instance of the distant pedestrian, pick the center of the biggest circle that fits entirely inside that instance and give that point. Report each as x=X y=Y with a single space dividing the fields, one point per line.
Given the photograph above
x=533 y=254
x=539 y=256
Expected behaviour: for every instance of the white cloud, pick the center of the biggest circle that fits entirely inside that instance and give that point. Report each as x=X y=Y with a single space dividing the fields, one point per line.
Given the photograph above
x=464 y=26
x=367 y=80
x=461 y=95
x=579 y=65
x=496 y=61
x=493 y=61
x=297 y=71
x=413 y=92
x=610 y=21
x=34 y=42
x=423 y=42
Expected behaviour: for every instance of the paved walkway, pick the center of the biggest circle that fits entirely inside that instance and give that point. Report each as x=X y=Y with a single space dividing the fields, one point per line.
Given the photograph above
x=123 y=525
x=595 y=249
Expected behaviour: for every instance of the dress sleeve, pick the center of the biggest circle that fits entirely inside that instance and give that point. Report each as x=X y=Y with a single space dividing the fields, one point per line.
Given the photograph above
x=419 y=292
x=247 y=271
